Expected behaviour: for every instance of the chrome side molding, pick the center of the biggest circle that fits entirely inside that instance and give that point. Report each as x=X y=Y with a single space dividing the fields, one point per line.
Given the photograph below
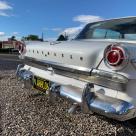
x=59 y=66
x=111 y=76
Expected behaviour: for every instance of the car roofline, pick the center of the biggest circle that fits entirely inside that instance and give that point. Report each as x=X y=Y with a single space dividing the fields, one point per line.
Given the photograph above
x=114 y=19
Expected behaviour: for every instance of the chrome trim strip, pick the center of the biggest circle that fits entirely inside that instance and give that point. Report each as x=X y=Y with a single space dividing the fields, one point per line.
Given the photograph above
x=99 y=77
x=109 y=75
x=60 y=66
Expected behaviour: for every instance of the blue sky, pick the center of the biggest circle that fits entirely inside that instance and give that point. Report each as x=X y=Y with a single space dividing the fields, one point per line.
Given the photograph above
x=23 y=17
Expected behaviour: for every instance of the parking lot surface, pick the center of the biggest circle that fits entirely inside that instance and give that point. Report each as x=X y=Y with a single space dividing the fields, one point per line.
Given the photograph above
x=28 y=113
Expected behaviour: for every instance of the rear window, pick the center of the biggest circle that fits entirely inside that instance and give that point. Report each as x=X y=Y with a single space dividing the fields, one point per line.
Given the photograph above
x=113 y=29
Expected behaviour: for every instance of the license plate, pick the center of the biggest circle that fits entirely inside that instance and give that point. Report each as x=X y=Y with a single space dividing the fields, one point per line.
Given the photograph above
x=41 y=84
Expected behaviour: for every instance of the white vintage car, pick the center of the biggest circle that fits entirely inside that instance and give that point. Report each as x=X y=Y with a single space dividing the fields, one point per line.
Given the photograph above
x=96 y=70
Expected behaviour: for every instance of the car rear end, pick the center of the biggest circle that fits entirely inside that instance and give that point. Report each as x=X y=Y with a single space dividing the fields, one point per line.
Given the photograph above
x=101 y=79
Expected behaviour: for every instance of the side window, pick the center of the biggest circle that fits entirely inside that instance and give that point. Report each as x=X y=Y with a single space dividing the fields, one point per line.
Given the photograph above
x=99 y=33
x=130 y=36
x=113 y=35
x=105 y=34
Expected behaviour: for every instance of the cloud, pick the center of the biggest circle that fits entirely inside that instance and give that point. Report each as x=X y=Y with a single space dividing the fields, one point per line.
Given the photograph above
x=87 y=18
x=4 y=8
x=15 y=33
x=4 y=37
x=2 y=13
x=57 y=29
x=72 y=31
x=83 y=19
x=2 y=33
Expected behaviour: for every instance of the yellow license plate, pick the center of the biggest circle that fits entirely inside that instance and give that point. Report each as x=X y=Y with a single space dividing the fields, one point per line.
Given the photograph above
x=41 y=84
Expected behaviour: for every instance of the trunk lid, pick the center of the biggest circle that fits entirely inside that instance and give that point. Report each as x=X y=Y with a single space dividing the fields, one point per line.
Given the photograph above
x=79 y=53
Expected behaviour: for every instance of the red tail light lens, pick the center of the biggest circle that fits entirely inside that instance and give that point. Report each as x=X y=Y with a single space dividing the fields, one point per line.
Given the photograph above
x=115 y=56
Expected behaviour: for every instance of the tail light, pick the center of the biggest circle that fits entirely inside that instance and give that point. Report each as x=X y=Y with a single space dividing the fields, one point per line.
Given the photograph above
x=115 y=56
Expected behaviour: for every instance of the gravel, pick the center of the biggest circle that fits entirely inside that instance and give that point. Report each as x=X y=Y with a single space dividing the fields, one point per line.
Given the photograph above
x=28 y=113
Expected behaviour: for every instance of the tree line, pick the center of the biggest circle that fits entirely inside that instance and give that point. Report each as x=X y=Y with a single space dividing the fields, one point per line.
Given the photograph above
x=32 y=37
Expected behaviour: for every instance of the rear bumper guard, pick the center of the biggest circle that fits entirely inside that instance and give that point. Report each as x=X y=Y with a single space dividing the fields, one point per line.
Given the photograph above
x=85 y=97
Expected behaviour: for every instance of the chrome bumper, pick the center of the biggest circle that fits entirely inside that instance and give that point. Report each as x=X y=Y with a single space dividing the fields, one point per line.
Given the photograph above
x=85 y=97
